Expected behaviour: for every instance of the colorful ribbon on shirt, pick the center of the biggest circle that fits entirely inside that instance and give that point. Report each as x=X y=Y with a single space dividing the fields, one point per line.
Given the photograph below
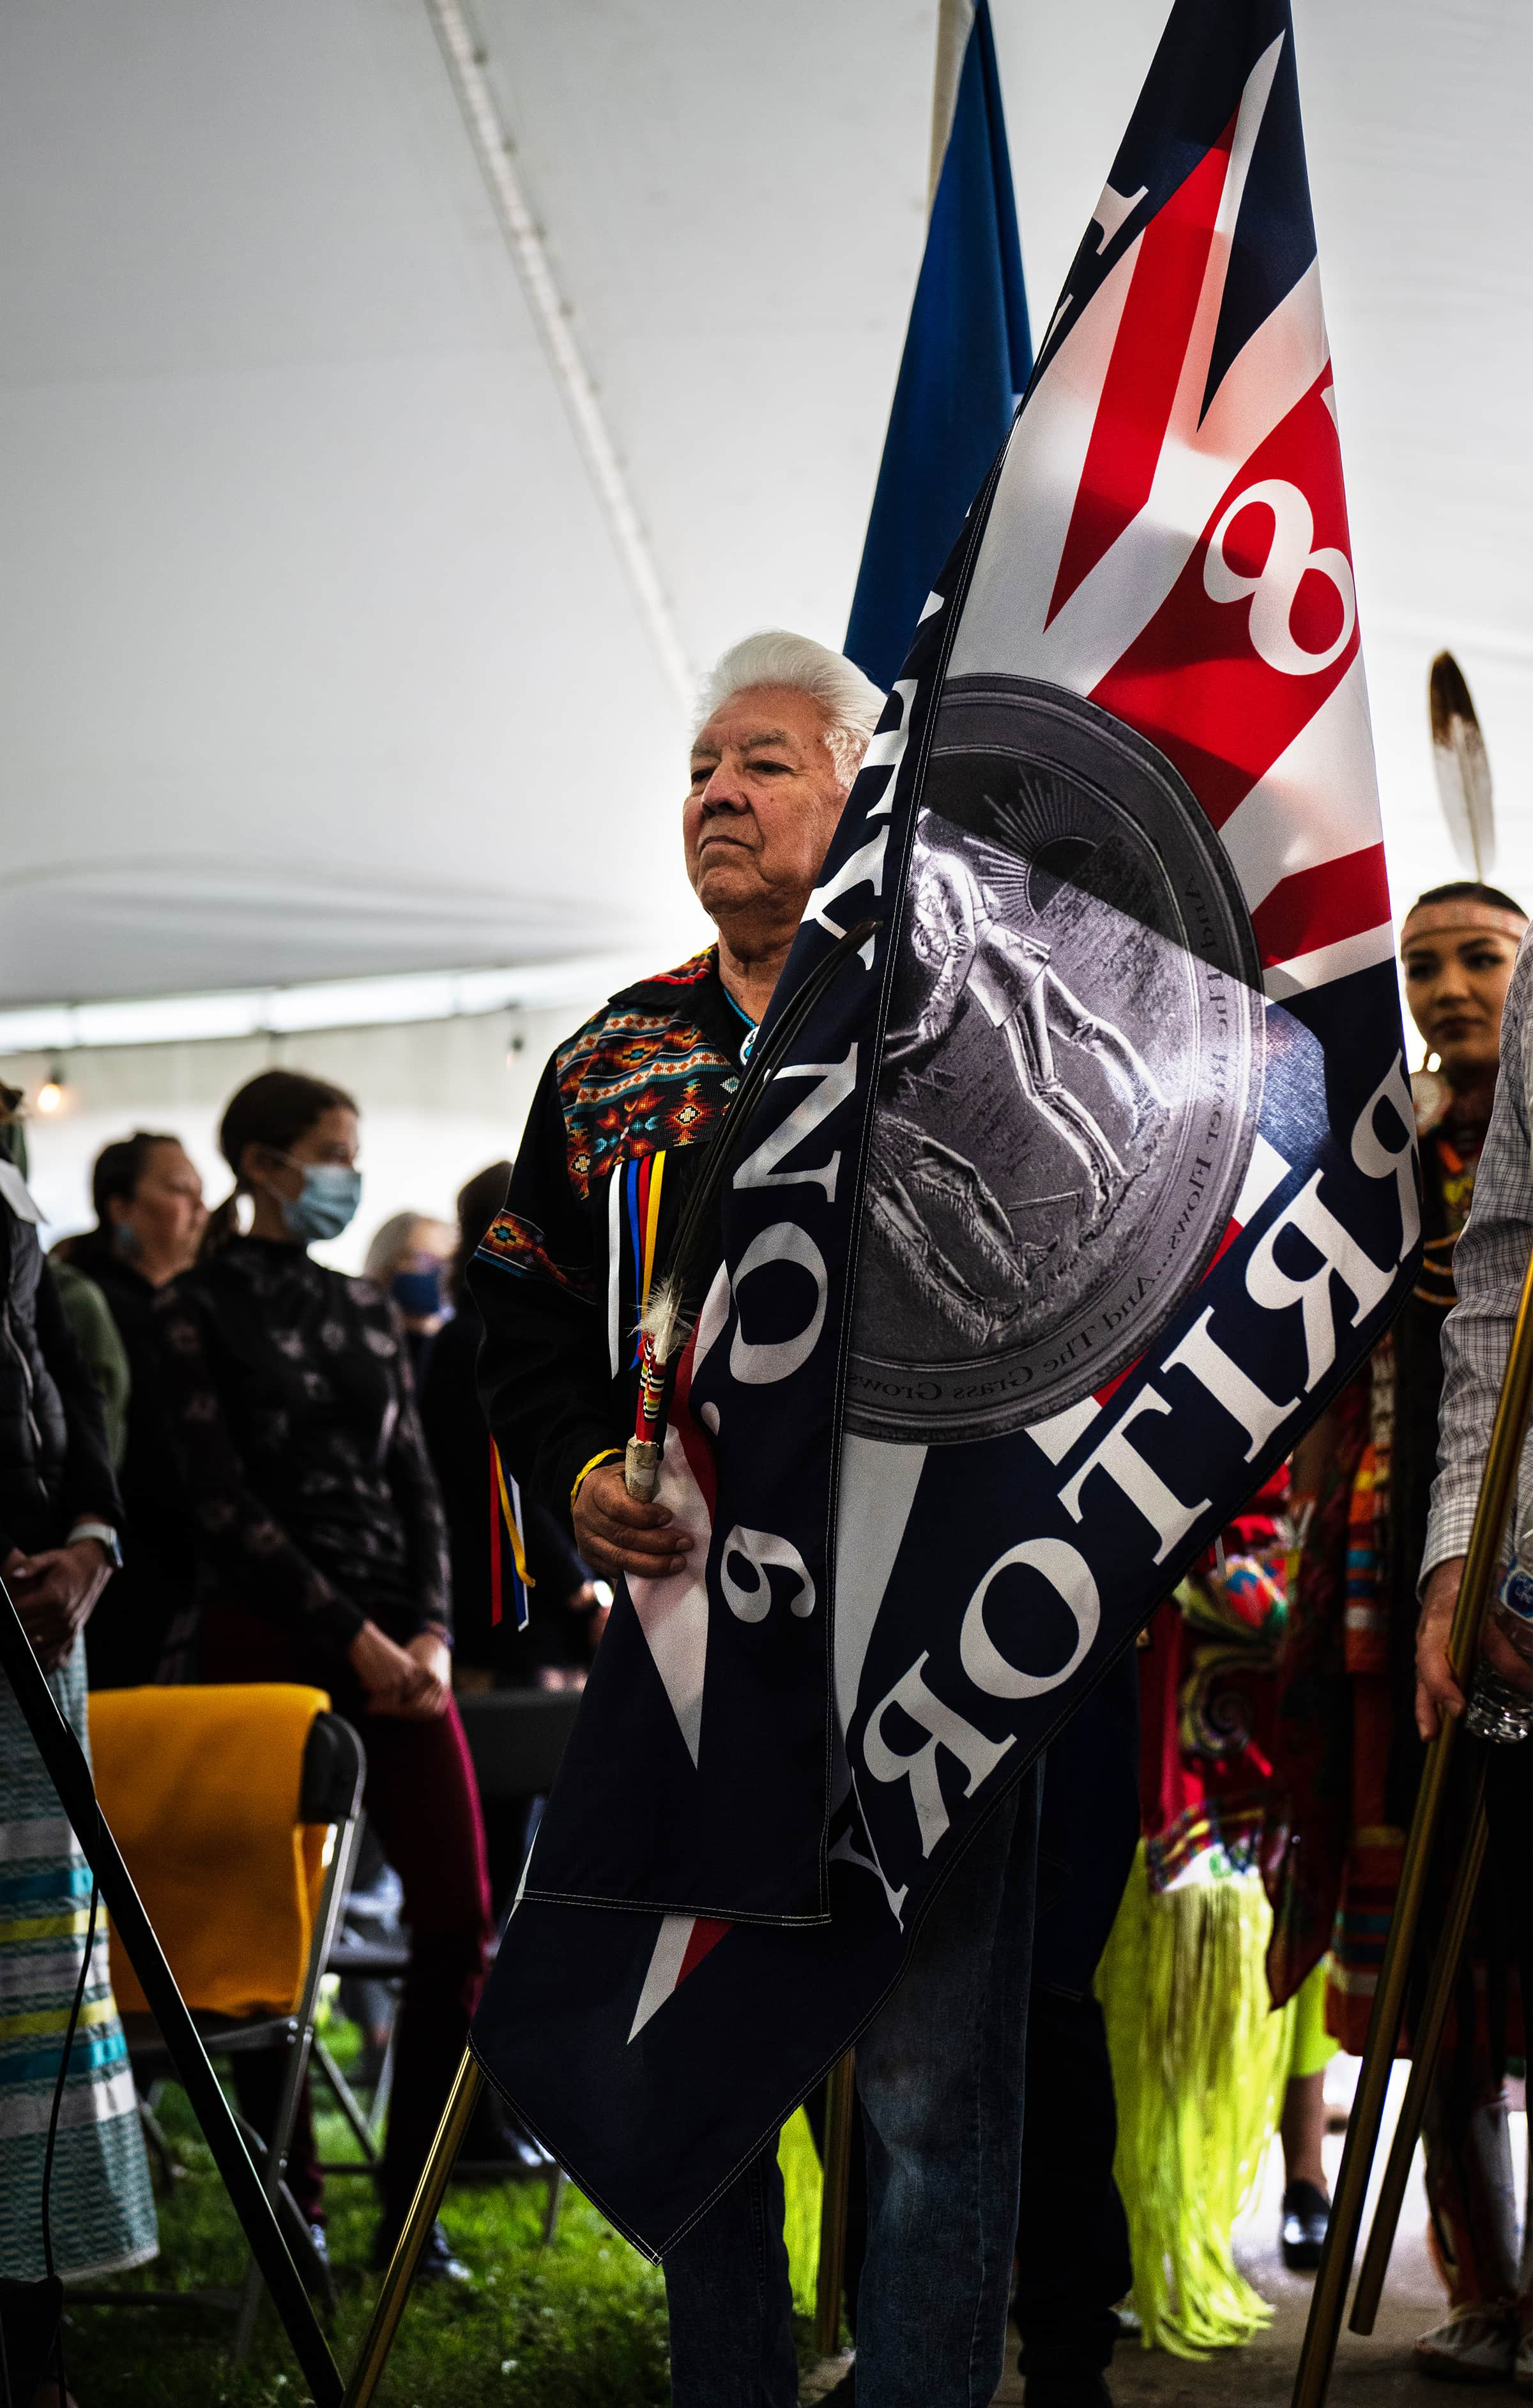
x=506 y=1515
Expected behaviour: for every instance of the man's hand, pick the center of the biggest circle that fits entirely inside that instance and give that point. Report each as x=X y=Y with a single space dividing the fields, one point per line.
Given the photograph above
x=615 y=1533
x=1435 y=1683
x=54 y=1592
x=1438 y=1693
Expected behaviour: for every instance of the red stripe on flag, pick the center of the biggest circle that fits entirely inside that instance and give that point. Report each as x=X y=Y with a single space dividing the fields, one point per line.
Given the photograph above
x=1321 y=906
x=1194 y=680
x=1232 y=1230
x=694 y=1444
x=706 y=1935
x=1113 y=1387
x=1139 y=387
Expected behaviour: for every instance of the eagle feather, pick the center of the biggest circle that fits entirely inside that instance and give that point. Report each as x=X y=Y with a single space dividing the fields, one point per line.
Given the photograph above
x=1462 y=768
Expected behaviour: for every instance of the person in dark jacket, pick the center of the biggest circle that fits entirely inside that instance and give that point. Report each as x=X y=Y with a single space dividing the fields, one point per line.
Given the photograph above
x=147 y=1192
x=565 y=1620
x=322 y=1556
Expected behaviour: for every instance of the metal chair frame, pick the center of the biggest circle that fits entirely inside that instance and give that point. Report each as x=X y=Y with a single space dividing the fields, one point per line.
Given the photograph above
x=225 y=2037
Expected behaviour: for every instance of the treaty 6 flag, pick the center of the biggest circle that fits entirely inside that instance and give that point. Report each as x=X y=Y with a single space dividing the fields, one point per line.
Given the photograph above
x=1088 y=1177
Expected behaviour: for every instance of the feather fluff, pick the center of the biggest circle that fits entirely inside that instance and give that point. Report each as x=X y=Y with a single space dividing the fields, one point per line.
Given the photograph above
x=662 y=1319
x=1462 y=768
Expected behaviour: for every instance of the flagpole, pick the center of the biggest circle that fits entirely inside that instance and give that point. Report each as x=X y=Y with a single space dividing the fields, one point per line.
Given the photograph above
x=461 y=2101
x=1426 y=2040
x=954 y=23
x=1496 y=1487
x=835 y=2171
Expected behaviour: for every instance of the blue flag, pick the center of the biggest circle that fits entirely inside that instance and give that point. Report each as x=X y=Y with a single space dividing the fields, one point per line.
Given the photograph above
x=968 y=358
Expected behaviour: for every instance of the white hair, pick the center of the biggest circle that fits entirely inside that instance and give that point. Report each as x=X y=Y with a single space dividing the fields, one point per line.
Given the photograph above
x=851 y=703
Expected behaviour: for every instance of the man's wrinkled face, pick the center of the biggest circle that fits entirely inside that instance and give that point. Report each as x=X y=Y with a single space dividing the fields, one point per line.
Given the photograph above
x=763 y=804
x=1456 y=985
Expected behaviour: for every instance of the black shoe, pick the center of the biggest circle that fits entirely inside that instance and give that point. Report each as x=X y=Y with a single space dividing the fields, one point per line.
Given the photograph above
x=1056 y=2389
x=436 y=2262
x=1306 y=2221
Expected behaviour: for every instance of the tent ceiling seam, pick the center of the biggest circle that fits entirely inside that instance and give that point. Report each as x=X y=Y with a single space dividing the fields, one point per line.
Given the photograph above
x=524 y=237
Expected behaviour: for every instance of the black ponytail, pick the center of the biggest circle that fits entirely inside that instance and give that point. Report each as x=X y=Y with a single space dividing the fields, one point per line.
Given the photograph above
x=276 y=1109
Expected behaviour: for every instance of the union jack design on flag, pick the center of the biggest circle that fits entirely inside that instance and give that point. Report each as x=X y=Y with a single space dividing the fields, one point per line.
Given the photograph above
x=1085 y=1181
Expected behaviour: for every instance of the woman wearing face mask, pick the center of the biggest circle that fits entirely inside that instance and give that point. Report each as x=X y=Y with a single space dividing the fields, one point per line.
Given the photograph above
x=322 y=1557
x=408 y=1257
x=150 y=1219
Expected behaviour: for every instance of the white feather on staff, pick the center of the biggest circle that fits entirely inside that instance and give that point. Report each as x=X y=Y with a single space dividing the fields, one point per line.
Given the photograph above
x=1462 y=768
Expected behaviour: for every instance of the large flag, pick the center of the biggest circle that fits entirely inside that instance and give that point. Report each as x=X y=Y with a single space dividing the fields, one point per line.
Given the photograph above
x=1088 y=1177
x=967 y=351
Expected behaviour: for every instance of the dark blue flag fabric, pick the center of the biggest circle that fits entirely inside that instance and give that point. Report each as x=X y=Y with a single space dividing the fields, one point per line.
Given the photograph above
x=1086 y=1181
x=968 y=358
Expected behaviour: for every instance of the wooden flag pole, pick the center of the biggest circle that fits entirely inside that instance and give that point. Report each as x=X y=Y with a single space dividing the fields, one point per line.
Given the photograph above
x=841 y=2093
x=1426 y=2040
x=461 y=2101
x=1496 y=1489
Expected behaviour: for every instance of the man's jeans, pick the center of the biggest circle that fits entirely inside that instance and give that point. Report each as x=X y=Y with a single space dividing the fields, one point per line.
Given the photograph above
x=939 y=2074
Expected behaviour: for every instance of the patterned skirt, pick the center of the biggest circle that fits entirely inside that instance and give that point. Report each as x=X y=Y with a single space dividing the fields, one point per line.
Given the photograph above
x=102 y=2210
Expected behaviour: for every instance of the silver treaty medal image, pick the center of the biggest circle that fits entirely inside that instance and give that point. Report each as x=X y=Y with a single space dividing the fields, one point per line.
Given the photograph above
x=1071 y=1075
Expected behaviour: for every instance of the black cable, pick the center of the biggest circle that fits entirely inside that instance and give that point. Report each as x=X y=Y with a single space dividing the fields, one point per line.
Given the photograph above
x=53 y=2119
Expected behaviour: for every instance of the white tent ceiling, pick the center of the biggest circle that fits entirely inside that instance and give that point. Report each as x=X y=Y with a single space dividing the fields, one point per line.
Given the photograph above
x=317 y=657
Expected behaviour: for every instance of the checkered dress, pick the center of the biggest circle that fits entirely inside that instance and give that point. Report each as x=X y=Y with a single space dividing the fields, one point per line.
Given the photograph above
x=1489 y=1263
x=102 y=2210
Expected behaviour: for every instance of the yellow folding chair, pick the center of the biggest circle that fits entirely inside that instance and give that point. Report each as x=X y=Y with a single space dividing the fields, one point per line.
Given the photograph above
x=235 y=1808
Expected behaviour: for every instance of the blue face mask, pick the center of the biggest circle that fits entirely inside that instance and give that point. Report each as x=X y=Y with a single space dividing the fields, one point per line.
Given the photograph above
x=326 y=1204
x=418 y=1294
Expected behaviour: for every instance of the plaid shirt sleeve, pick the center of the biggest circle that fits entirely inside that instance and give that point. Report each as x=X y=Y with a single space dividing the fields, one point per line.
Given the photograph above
x=1489 y=1263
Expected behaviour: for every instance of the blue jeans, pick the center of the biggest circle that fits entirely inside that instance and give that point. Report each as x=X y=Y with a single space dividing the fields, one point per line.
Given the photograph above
x=939 y=2076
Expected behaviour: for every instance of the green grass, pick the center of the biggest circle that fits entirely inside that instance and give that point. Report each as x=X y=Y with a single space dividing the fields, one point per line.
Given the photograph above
x=569 y=2327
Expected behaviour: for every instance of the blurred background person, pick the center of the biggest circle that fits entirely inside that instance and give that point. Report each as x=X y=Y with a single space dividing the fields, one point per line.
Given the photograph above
x=101 y=1348
x=1349 y=1753
x=146 y=1193
x=60 y=1511
x=323 y=1560
x=408 y=1259
x=565 y=1618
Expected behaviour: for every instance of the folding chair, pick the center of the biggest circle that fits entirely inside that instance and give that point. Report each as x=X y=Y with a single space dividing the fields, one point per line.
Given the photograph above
x=362 y=1959
x=235 y=1808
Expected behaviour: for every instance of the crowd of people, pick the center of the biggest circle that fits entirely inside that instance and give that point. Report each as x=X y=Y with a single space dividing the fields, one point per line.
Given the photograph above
x=222 y=1461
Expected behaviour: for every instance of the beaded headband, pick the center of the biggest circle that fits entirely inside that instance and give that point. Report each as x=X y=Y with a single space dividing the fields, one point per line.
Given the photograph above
x=1460 y=912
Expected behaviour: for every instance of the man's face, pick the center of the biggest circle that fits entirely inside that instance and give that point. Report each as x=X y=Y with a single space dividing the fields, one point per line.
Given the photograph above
x=763 y=804
x=1455 y=983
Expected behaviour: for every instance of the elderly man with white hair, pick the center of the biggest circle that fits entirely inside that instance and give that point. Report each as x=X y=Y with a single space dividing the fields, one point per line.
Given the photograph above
x=623 y=1109
x=614 y=1137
